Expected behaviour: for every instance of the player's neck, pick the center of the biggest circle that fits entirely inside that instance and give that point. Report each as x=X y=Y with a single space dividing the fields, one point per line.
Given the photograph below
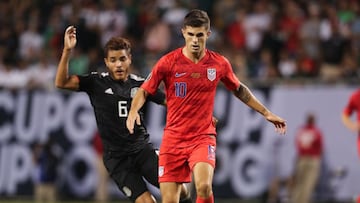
x=194 y=57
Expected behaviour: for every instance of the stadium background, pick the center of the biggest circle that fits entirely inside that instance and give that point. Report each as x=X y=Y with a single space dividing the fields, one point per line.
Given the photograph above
x=297 y=56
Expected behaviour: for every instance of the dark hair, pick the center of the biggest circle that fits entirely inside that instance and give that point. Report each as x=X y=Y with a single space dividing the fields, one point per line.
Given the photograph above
x=197 y=18
x=310 y=119
x=117 y=43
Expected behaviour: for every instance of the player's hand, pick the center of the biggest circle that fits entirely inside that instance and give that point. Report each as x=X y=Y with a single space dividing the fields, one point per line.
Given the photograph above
x=70 y=38
x=131 y=119
x=279 y=123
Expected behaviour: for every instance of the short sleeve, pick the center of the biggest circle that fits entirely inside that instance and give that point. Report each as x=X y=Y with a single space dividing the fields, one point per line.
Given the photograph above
x=350 y=106
x=86 y=82
x=229 y=78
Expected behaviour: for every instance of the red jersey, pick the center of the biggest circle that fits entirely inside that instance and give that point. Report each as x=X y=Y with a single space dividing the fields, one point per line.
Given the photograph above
x=353 y=105
x=190 y=91
x=309 y=141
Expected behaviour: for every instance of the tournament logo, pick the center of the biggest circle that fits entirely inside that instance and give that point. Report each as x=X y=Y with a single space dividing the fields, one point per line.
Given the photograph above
x=211 y=74
x=133 y=91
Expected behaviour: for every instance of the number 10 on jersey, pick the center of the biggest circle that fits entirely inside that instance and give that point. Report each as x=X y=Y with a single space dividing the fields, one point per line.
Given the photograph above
x=180 y=89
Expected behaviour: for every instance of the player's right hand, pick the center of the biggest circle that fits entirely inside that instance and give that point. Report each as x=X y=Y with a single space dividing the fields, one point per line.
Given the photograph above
x=70 y=38
x=131 y=119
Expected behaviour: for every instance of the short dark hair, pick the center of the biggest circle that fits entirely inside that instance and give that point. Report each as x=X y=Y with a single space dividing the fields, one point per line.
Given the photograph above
x=117 y=43
x=197 y=18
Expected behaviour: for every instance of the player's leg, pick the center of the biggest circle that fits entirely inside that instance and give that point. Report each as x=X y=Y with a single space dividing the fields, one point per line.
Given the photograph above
x=147 y=161
x=173 y=172
x=146 y=197
x=185 y=196
x=202 y=163
x=170 y=192
x=203 y=176
x=128 y=179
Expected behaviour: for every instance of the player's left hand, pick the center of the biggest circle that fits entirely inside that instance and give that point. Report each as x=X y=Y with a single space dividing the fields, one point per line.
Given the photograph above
x=279 y=123
x=131 y=119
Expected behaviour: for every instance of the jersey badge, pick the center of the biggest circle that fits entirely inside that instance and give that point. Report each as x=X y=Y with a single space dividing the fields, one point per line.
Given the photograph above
x=133 y=91
x=109 y=91
x=211 y=152
x=211 y=74
x=161 y=171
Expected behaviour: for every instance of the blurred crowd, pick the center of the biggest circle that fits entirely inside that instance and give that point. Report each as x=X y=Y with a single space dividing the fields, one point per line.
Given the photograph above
x=267 y=41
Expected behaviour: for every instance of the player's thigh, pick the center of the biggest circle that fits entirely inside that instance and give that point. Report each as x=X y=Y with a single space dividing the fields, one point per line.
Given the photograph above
x=173 y=165
x=130 y=184
x=148 y=162
x=203 y=173
x=205 y=151
x=170 y=191
x=125 y=175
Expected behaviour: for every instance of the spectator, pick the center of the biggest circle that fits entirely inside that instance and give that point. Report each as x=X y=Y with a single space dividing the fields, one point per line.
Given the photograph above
x=309 y=145
x=46 y=159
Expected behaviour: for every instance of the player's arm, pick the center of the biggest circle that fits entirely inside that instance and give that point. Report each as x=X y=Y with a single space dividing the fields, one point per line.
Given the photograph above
x=62 y=79
x=244 y=94
x=136 y=104
x=351 y=125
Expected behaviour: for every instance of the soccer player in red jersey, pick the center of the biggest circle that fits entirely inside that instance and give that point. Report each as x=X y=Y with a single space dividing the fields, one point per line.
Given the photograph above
x=353 y=105
x=190 y=75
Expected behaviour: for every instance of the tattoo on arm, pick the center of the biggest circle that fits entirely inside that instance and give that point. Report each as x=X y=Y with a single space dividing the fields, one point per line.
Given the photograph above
x=243 y=93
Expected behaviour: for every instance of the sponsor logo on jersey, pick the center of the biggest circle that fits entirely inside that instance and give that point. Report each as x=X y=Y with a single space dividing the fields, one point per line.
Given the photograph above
x=195 y=75
x=133 y=91
x=211 y=74
x=161 y=171
x=109 y=91
x=211 y=152
x=177 y=75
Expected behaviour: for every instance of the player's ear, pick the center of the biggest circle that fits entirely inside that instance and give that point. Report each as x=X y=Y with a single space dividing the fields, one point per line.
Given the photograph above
x=106 y=62
x=183 y=31
x=208 y=33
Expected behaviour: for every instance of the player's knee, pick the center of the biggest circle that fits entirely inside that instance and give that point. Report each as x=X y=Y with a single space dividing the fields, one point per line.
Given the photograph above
x=204 y=189
x=145 y=198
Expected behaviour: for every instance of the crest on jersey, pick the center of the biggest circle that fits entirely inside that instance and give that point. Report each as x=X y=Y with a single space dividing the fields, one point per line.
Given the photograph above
x=161 y=171
x=133 y=91
x=211 y=74
x=211 y=152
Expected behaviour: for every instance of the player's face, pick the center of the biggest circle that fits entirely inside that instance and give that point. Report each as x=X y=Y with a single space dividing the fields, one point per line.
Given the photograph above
x=118 y=63
x=195 y=39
